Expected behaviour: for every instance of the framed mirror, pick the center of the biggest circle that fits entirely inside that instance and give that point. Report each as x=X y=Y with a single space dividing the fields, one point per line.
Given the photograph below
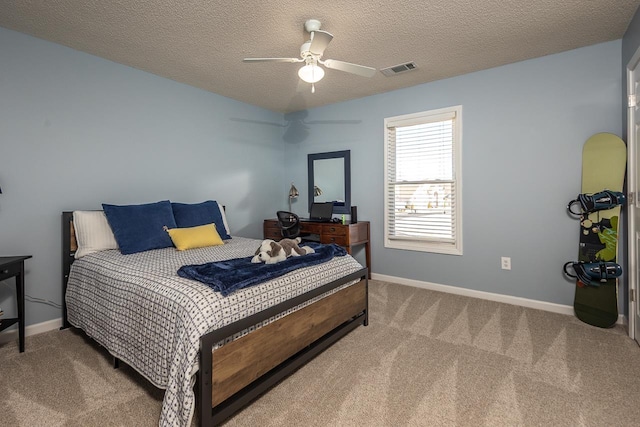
x=330 y=179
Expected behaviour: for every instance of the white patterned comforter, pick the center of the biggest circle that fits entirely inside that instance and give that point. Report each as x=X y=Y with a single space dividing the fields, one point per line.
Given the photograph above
x=139 y=309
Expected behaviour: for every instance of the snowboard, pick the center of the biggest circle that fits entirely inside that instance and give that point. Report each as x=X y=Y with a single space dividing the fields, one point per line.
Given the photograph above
x=604 y=159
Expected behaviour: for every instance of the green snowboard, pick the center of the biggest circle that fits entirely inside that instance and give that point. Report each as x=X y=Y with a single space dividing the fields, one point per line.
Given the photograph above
x=604 y=158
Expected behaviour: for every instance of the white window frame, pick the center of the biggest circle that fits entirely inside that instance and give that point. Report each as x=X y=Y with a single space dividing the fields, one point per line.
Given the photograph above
x=435 y=246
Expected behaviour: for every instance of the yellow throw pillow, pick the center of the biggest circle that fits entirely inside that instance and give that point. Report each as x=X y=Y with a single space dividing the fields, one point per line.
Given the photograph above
x=195 y=237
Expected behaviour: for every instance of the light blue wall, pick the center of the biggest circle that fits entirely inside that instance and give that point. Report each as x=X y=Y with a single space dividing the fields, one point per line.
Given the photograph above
x=77 y=130
x=524 y=125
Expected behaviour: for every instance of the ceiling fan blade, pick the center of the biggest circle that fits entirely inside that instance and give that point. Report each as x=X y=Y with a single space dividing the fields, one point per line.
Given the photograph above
x=319 y=42
x=348 y=67
x=273 y=60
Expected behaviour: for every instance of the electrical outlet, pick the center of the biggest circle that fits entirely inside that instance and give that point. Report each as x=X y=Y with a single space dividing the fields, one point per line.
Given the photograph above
x=505 y=262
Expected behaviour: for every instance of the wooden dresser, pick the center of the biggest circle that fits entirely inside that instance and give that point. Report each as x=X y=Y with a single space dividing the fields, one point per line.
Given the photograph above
x=345 y=235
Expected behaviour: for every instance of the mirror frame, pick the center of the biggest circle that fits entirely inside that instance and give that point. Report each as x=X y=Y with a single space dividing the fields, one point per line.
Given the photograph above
x=346 y=155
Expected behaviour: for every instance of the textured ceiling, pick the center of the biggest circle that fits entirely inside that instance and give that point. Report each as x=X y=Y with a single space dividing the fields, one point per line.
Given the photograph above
x=202 y=43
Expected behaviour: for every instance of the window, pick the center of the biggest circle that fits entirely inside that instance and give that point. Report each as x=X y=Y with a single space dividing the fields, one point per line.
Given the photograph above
x=423 y=186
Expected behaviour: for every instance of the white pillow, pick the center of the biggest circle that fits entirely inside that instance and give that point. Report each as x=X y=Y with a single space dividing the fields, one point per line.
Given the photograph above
x=224 y=218
x=93 y=233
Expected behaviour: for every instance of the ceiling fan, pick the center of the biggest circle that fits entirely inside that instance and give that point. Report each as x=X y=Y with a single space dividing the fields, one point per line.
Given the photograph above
x=311 y=54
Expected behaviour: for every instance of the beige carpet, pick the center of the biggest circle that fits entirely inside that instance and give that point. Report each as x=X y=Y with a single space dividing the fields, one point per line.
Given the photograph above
x=426 y=359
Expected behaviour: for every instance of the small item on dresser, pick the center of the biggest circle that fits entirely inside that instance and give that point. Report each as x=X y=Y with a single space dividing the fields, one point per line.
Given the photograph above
x=354 y=214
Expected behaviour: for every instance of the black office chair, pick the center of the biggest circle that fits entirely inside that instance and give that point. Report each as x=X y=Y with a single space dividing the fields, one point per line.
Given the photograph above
x=289 y=224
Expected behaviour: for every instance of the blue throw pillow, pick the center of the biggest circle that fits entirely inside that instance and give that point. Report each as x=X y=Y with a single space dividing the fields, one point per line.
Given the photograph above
x=139 y=228
x=193 y=215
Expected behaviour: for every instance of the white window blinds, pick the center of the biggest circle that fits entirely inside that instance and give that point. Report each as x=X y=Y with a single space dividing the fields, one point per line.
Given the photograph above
x=422 y=181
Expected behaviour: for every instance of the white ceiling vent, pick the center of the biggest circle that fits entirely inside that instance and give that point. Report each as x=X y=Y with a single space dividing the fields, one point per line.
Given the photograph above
x=397 y=69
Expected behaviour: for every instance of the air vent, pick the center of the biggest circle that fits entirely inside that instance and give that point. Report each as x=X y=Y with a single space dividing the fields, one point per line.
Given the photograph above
x=397 y=69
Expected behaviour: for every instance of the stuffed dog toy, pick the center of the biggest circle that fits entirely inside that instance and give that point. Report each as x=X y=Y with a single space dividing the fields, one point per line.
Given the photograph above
x=271 y=252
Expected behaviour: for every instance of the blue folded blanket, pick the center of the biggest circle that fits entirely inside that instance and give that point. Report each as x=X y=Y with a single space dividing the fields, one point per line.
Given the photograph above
x=231 y=275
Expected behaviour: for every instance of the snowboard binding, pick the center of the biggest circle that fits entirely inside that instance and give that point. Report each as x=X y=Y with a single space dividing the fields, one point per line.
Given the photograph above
x=605 y=199
x=591 y=273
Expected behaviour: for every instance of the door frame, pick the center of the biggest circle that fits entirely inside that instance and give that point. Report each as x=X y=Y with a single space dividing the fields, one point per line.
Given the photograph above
x=632 y=194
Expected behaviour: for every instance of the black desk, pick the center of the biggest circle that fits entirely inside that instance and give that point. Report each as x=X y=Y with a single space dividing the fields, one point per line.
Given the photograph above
x=13 y=266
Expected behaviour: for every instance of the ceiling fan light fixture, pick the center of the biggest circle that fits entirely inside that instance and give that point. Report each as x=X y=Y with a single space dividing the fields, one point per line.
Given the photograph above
x=311 y=73
x=311 y=53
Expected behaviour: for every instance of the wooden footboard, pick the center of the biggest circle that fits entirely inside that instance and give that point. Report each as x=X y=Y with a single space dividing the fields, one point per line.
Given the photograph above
x=240 y=362
x=232 y=376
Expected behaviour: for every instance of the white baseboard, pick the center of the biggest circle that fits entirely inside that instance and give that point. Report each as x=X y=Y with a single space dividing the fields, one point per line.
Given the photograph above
x=12 y=333
x=523 y=302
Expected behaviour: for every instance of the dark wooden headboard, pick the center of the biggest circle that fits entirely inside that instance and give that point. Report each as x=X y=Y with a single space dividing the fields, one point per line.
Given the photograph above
x=69 y=247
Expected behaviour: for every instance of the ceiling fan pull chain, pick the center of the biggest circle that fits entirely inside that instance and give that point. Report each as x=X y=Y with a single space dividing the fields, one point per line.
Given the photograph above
x=313 y=88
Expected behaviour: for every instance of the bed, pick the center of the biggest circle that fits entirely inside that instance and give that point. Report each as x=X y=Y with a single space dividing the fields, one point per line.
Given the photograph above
x=221 y=352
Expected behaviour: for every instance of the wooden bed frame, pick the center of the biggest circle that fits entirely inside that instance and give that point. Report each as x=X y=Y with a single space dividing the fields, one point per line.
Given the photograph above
x=250 y=365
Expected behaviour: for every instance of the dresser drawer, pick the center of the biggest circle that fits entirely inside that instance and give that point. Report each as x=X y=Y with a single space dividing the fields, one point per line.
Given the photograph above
x=338 y=240
x=271 y=230
x=272 y=233
x=334 y=229
x=311 y=227
x=10 y=271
